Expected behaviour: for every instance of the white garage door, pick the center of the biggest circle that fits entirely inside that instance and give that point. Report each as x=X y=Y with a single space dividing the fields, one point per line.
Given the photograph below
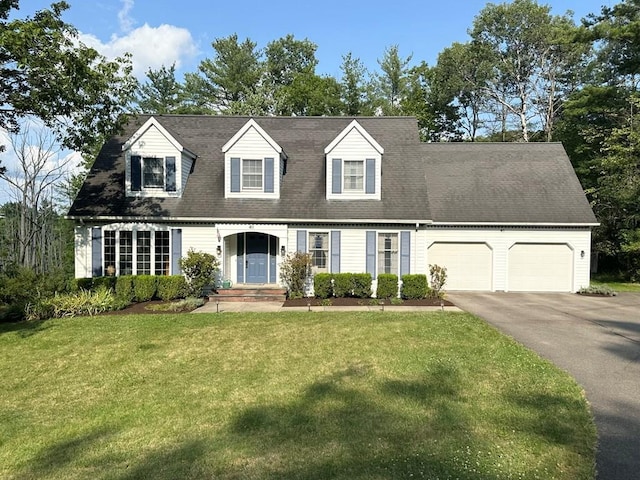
x=469 y=265
x=540 y=267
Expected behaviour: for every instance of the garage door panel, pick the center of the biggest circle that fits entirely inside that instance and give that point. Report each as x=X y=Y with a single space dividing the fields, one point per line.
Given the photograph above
x=469 y=265
x=540 y=268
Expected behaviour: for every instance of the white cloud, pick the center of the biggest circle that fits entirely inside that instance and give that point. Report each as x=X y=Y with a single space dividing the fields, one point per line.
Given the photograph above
x=150 y=47
x=125 y=20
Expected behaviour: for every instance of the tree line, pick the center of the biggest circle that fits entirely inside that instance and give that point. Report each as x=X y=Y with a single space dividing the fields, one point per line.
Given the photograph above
x=524 y=74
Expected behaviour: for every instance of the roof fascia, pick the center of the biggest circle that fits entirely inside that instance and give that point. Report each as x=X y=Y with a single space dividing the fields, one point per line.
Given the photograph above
x=354 y=125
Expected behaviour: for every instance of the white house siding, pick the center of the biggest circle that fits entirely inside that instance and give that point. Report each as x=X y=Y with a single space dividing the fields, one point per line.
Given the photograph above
x=500 y=240
x=82 y=240
x=354 y=146
x=252 y=145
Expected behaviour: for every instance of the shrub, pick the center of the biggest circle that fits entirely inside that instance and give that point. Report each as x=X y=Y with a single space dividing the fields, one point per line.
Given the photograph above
x=604 y=290
x=200 y=269
x=186 y=304
x=82 y=302
x=387 y=285
x=84 y=283
x=144 y=287
x=438 y=277
x=124 y=288
x=294 y=273
x=343 y=284
x=106 y=282
x=171 y=287
x=414 y=286
x=362 y=285
x=322 y=287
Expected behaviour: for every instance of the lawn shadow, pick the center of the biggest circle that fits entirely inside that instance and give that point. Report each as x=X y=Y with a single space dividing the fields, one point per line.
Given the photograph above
x=25 y=329
x=335 y=429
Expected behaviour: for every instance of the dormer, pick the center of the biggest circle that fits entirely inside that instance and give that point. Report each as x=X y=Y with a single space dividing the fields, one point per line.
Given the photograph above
x=354 y=165
x=156 y=162
x=253 y=164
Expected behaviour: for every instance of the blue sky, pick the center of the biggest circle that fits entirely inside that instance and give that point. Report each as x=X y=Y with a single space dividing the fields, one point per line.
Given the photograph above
x=161 y=32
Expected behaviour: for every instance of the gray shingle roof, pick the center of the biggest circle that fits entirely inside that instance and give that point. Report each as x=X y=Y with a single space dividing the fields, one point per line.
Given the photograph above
x=527 y=183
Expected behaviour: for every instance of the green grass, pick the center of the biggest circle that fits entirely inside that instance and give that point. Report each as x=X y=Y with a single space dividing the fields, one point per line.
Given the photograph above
x=615 y=283
x=318 y=395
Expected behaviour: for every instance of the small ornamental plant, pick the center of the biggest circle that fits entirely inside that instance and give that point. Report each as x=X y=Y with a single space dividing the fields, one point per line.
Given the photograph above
x=295 y=271
x=438 y=278
x=200 y=269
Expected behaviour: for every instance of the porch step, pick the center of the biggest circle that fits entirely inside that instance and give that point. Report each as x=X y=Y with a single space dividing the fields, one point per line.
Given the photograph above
x=265 y=294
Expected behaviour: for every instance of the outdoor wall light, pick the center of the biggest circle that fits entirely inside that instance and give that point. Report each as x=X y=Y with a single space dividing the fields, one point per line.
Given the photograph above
x=581 y=253
x=219 y=250
x=283 y=251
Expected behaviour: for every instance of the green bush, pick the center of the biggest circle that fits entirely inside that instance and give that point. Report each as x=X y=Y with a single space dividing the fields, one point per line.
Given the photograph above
x=200 y=269
x=343 y=284
x=84 y=283
x=171 y=287
x=604 y=290
x=144 y=287
x=362 y=285
x=414 y=286
x=387 y=285
x=106 y=282
x=294 y=273
x=124 y=288
x=322 y=287
x=82 y=302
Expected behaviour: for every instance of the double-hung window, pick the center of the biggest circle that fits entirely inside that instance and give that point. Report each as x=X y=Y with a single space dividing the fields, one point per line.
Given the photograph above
x=152 y=172
x=353 y=174
x=388 y=253
x=251 y=174
x=319 y=250
x=136 y=252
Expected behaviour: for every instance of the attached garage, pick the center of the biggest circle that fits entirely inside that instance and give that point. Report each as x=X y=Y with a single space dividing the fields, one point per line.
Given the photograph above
x=540 y=267
x=469 y=265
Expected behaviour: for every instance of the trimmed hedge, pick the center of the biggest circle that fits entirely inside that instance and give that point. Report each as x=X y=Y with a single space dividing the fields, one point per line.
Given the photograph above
x=144 y=287
x=322 y=285
x=362 y=285
x=124 y=288
x=343 y=284
x=84 y=283
x=171 y=287
x=387 y=286
x=106 y=282
x=414 y=286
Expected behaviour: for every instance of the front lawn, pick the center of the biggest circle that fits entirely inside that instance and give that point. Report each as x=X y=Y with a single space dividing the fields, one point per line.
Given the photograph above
x=319 y=395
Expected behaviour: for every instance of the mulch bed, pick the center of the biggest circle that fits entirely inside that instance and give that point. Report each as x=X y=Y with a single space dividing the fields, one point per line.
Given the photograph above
x=141 y=308
x=352 y=302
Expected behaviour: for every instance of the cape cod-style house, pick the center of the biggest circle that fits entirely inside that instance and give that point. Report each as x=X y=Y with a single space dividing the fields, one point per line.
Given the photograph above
x=359 y=194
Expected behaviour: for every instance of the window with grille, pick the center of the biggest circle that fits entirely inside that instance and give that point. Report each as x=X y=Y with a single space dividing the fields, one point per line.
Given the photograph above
x=126 y=253
x=153 y=172
x=110 y=252
x=251 y=174
x=162 y=253
x=388 y=253
x=143 y=253
x=319 y=250
x=353 y=175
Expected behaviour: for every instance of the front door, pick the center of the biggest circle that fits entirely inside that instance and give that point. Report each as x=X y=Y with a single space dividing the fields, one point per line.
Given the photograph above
x=257 y=259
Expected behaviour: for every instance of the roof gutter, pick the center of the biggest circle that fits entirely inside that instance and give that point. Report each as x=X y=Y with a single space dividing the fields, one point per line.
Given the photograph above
x=512 y=224
x=120 y=218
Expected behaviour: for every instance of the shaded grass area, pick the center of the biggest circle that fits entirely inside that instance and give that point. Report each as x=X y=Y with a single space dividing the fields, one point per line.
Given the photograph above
x=615 y=282
x=366 y=395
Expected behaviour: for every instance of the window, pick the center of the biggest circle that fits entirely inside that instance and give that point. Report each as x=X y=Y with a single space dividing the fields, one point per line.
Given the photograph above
x=319 y=250
x=388 y=253
x=251 y=174
x=126 y=253
x=153 y=172
x=139 y=252
x=143 y=250
x=162 y=253
x=353 y=175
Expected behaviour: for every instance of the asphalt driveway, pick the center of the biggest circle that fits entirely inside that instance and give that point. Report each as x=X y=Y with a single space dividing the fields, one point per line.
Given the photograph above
x=595 y=339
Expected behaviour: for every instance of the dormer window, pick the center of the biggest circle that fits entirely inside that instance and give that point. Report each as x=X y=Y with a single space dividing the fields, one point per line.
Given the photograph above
x=354 y=165
x=254 y=164
x=151 y=173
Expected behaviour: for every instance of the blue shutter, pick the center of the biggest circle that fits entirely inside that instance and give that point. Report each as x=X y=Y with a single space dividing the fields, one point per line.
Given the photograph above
x=371 y=253
x=370 y=175
x=176 y=251
x=170 y=172
x=136 y=173
x=96 y=252
x=268 y=175
x=335 y=251
x=235 y=174
x=405 y=253
x=336 y=176
x=240 y=258
x=273 y=252
x=301 y=244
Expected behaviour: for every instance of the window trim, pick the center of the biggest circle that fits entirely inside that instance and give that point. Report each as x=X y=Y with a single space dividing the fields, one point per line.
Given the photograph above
x=381 y=249
x=244 y=188
x=327 y=259
x=361 y=176
x=162 y=175
x=112 y=251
